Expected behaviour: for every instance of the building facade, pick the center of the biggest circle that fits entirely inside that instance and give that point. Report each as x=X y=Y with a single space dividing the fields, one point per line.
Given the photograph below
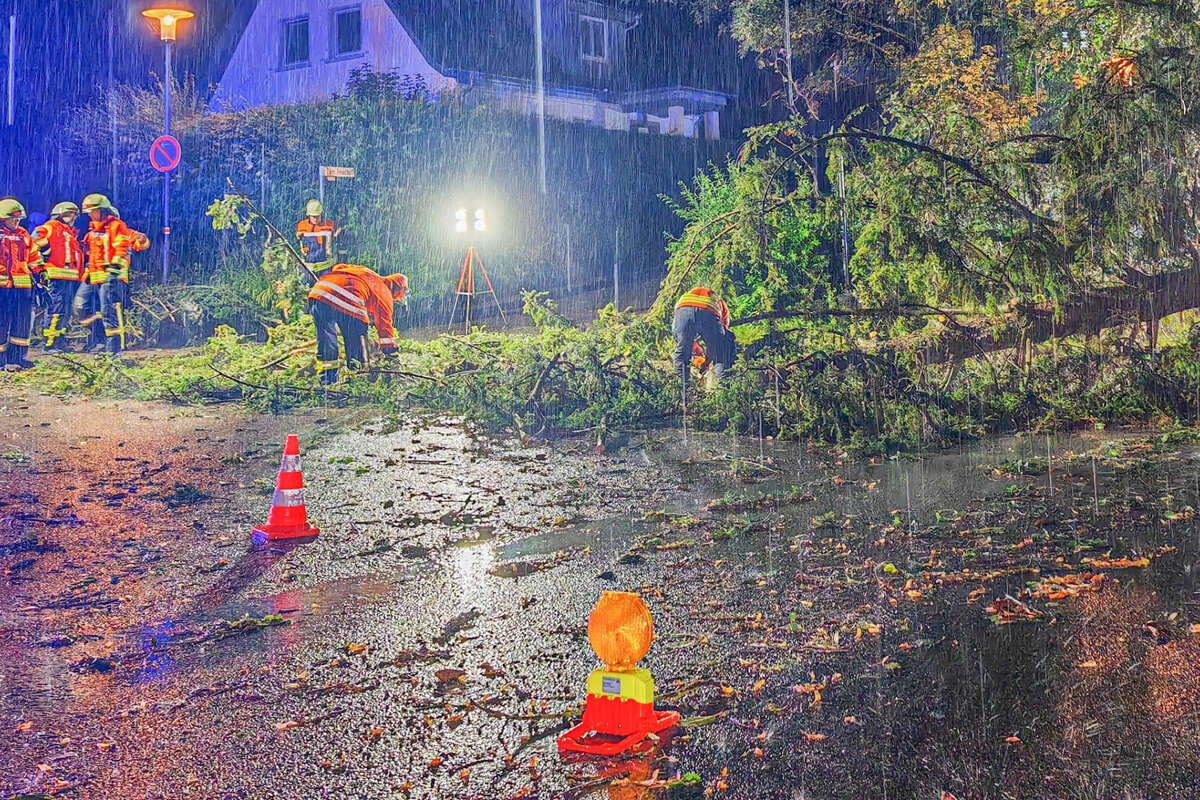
x=304 y=51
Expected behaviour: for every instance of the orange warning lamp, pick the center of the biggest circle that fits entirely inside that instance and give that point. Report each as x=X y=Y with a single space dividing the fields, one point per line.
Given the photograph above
x=620 y=701
x=620 y=630
x=167 y=19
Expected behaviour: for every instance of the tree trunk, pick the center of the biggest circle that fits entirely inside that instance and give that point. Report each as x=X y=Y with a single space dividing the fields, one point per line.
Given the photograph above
x=1154 y=298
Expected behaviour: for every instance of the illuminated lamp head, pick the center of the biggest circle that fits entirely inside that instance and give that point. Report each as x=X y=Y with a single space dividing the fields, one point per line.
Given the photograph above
x=168 y=19
x=620 y=630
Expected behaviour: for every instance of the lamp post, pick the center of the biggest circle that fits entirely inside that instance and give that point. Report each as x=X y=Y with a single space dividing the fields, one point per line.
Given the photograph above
x=167 y=19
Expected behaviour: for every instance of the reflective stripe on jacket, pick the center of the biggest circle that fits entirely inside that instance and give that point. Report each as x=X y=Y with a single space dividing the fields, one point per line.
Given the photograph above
x=138 y=241
x=20 y=261
x=315 y=239
x=108 y=246
x=703 y=297
x=58 y=243
x=362 y=294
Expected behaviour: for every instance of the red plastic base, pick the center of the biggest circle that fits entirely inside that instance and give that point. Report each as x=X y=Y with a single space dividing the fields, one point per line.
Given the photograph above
x=611 y=726
x=273 y=533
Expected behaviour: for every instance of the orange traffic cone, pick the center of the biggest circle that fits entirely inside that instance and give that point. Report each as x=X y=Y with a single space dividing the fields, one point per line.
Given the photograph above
x=288 y=518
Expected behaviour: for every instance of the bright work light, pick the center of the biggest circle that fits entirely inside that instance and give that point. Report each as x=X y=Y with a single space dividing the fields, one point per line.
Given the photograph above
x=462 y=224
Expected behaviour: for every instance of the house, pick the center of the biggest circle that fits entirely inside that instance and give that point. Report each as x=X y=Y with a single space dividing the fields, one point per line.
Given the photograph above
x=303 y=51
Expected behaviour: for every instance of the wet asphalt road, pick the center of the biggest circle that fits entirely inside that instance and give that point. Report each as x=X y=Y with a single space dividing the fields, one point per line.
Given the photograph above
x=431 y=642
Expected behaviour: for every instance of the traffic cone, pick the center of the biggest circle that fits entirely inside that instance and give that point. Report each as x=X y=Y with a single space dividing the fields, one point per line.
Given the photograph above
x=288 y=518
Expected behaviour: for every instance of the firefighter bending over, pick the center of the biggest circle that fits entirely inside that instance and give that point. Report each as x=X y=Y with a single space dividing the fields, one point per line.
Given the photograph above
x=700 y=314
x=348 y=298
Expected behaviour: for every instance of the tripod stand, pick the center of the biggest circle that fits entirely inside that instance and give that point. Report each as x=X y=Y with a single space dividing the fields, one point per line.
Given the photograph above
x=466 y=288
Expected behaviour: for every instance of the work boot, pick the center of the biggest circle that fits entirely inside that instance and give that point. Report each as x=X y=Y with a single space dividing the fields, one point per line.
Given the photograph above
x=25 y=363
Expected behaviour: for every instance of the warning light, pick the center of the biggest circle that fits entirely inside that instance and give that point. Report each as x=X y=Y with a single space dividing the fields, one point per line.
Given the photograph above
x=620 y=698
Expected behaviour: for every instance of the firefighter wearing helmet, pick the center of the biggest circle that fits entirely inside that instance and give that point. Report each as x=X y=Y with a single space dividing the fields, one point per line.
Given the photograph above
x=20 y=271
x=104 y=294
x=348 y=298
x=58 y=242
x=316 y=235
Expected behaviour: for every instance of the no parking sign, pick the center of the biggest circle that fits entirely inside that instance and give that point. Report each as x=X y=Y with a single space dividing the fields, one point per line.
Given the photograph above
x=165 y=153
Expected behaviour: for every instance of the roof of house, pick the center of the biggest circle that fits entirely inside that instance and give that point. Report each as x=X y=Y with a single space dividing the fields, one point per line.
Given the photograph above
x=496 y=37
x=458 y=35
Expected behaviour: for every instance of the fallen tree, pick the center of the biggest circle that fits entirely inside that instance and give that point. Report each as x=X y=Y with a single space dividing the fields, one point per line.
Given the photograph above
x=1108 y=307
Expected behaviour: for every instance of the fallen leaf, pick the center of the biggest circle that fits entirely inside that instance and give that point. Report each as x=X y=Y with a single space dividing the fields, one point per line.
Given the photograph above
x=1012 y=739
x=1090 y=664
x=813 y=737
x=450 y=675
x=354 y=648
x=757 y=687
x=24 y=726
x=285 y=726
x=728 y=690
x=850 y=720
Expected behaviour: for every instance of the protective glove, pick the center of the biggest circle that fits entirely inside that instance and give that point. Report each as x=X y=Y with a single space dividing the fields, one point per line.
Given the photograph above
x=41 y=296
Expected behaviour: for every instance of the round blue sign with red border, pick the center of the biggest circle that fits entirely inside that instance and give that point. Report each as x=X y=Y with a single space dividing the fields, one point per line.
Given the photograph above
x=165 y=153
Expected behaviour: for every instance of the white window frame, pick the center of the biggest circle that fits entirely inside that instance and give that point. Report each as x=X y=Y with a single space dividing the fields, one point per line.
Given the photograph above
x=590 y=24
x=285 y=27
x=334 y=53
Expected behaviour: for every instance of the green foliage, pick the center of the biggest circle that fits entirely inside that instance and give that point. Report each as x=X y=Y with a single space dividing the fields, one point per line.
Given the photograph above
x=752 y=236
x=416 y=162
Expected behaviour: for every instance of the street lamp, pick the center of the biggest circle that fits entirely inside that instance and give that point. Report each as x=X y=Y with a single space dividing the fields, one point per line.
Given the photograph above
x=167 y=19
x=474 y=224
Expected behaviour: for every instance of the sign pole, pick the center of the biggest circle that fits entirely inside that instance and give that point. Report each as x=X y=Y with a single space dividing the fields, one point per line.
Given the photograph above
x=166 y=246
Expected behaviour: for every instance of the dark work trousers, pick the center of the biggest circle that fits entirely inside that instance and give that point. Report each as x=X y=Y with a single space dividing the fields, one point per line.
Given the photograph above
x=690 y=323
x=58 y=315
x=16 y=318
x=86 y=311
x=114 y=308
x=328 y=322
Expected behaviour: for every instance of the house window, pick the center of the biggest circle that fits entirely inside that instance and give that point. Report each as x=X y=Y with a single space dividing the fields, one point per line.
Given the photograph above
x=593 y=39
x=295 y=42
x=347 y=31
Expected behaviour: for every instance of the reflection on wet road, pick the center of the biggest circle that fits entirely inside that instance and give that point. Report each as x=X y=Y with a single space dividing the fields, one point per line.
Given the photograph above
x=963 y=623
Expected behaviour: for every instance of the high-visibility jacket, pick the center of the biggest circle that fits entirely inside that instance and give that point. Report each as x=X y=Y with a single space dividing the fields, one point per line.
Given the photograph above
x=362 y=294
x=58 y=243
x=703 y=297
x=108 y=242
x=138 y=241
x=315 y=239
x=20 y=261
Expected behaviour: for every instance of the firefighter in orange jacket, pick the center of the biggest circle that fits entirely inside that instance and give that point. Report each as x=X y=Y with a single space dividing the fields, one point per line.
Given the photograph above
x=108 y=245
x=58 y=242
x=20 y=271
x=348 y=297
x=701 y=314
x=316 y=237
